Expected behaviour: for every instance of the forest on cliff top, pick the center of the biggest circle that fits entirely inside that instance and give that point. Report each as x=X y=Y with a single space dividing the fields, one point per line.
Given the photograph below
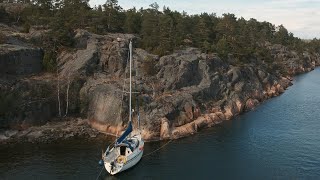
x=158 y=30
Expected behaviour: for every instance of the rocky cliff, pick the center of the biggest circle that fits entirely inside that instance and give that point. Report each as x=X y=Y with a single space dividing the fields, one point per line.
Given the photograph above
x=180 y=94
x=184 y=92
x=21 y=94
x=20 y=60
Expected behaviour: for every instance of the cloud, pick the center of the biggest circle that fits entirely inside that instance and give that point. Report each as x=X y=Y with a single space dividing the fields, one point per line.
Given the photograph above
x=298 y=16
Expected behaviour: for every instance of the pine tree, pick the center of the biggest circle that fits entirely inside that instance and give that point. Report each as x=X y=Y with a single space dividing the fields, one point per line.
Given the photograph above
x=165 y=34
x=133 y=21
x=281 y=36
x=201 y=34
x=113 y=16
x=183 y=29
x=223 y=48
x=150 y=28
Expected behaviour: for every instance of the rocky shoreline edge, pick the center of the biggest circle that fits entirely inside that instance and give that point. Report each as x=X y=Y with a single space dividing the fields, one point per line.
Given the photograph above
x=70 y=128
x=51 y=132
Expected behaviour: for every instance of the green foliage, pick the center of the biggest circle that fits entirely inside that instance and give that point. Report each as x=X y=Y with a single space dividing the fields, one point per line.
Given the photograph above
x=201 y=33
x=150 y=29
x=223 y=48
x=166 y=30
x=49 y=61
x=159 y=31
x=154 y=6
x=182 y=27
x=113 y=17
x=60 y=36
x=314 y=45
x=281 y=36
x=264 y=54
x=132 y=21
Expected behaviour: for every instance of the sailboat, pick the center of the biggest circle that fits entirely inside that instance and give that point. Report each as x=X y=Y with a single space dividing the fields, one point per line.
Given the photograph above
x=128 y=148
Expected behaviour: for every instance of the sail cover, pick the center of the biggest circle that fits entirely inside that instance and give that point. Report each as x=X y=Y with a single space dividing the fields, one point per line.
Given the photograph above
x=125 y=133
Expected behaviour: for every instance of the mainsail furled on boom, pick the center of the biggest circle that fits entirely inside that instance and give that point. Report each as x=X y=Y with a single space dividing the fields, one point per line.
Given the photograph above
x=125 y=133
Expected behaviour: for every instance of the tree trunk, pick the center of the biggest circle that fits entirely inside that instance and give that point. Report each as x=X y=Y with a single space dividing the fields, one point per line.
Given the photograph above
x=59 y=105
x=68 y=86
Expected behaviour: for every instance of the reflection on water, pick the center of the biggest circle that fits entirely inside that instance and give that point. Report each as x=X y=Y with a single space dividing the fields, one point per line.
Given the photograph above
x=279 y=140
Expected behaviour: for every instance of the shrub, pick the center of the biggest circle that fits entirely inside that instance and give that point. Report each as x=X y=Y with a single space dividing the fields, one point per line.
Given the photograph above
x=49 y=61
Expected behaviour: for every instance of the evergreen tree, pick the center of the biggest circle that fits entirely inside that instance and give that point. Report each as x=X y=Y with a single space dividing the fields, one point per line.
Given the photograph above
x=183 y=31
x=223 y=48
x=166 y=28
x=133 y=21
x=227 y=26
x=281 y=36
x=113 y=16
x=160 y=32
x=201 y=34
x=150 y=27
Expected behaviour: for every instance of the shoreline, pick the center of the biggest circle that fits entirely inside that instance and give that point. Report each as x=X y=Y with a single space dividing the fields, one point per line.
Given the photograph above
x=50 y=132
x=74 y=128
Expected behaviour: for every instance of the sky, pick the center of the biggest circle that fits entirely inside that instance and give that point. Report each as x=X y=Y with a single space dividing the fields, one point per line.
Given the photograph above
x=301 y=17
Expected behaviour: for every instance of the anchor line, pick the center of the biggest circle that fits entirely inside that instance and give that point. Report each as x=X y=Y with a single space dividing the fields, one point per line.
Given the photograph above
x=158 y=148
x=99 y=173
x=143 y=155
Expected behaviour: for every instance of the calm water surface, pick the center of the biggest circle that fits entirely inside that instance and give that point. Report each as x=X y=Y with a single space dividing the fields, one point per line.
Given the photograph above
x=279 y=140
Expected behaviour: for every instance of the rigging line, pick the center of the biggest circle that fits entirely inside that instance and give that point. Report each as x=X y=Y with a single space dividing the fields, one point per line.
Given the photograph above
x=137 y=96
x=99 y=173
x=123 y=87
x=126 y=92
x=130 y=85
x=158 y=148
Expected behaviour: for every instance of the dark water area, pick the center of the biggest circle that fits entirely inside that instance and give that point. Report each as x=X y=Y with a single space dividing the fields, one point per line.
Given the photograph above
x=278 y=140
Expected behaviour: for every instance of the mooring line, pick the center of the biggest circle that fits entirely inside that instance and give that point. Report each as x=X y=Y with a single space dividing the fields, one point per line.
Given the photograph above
x=100 y=173
x=158 y=148
x=143 y=155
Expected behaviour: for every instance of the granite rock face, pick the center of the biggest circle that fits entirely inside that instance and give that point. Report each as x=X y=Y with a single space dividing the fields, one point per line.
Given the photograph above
x=27 y=101
x=188 y=91
x=20 y=60
x=181 y=93
x=24 y=100
x=17 y=56
x=291 y=61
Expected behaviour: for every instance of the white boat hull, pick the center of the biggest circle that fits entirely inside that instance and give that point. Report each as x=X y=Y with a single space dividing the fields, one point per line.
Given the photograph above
x=131 y=160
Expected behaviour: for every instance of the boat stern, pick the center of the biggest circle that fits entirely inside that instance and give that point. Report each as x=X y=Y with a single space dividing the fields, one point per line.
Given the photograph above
x=112 y=168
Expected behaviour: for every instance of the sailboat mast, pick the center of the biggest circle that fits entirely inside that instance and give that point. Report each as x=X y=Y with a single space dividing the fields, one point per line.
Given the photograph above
x=130 y=108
